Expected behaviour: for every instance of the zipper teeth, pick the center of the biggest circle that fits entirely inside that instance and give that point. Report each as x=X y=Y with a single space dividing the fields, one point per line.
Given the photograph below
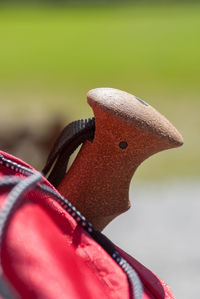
x=13 y=199
x=80 y=219
x=15 y=166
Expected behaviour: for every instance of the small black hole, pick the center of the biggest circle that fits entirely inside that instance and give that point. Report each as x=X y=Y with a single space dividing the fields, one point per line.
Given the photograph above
x=123 y=144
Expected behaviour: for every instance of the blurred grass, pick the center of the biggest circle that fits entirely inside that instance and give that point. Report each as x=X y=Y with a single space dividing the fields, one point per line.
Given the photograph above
x=51 y=56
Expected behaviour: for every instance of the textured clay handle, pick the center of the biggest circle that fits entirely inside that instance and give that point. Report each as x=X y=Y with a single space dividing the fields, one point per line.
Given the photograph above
x=127 y=132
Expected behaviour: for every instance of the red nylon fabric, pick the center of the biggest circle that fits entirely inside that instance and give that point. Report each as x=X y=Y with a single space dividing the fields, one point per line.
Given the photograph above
x=45 y=254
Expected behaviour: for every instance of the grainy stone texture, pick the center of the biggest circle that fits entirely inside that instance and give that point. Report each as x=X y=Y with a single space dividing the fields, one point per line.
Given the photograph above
x=98 y=181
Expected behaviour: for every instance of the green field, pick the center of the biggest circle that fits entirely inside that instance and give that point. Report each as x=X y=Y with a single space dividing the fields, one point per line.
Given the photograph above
x=51 y=56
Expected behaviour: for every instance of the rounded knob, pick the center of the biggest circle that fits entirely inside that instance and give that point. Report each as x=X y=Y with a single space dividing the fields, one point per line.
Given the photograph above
x=128 y=116
x=127 y=131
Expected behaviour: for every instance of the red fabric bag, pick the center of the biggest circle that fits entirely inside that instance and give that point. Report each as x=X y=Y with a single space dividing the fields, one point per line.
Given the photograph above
x=45 y=253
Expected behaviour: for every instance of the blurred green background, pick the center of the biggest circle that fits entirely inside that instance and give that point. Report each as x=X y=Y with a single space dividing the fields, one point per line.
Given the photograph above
x=50 y=56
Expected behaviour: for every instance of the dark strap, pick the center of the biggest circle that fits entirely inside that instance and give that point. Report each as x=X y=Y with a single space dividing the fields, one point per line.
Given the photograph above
x=67 y=142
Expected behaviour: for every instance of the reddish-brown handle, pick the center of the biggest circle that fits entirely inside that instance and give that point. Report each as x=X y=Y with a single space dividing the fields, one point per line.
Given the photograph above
x=128 y=131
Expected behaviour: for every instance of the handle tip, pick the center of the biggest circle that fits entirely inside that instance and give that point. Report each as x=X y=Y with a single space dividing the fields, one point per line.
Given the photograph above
x=128 y=108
